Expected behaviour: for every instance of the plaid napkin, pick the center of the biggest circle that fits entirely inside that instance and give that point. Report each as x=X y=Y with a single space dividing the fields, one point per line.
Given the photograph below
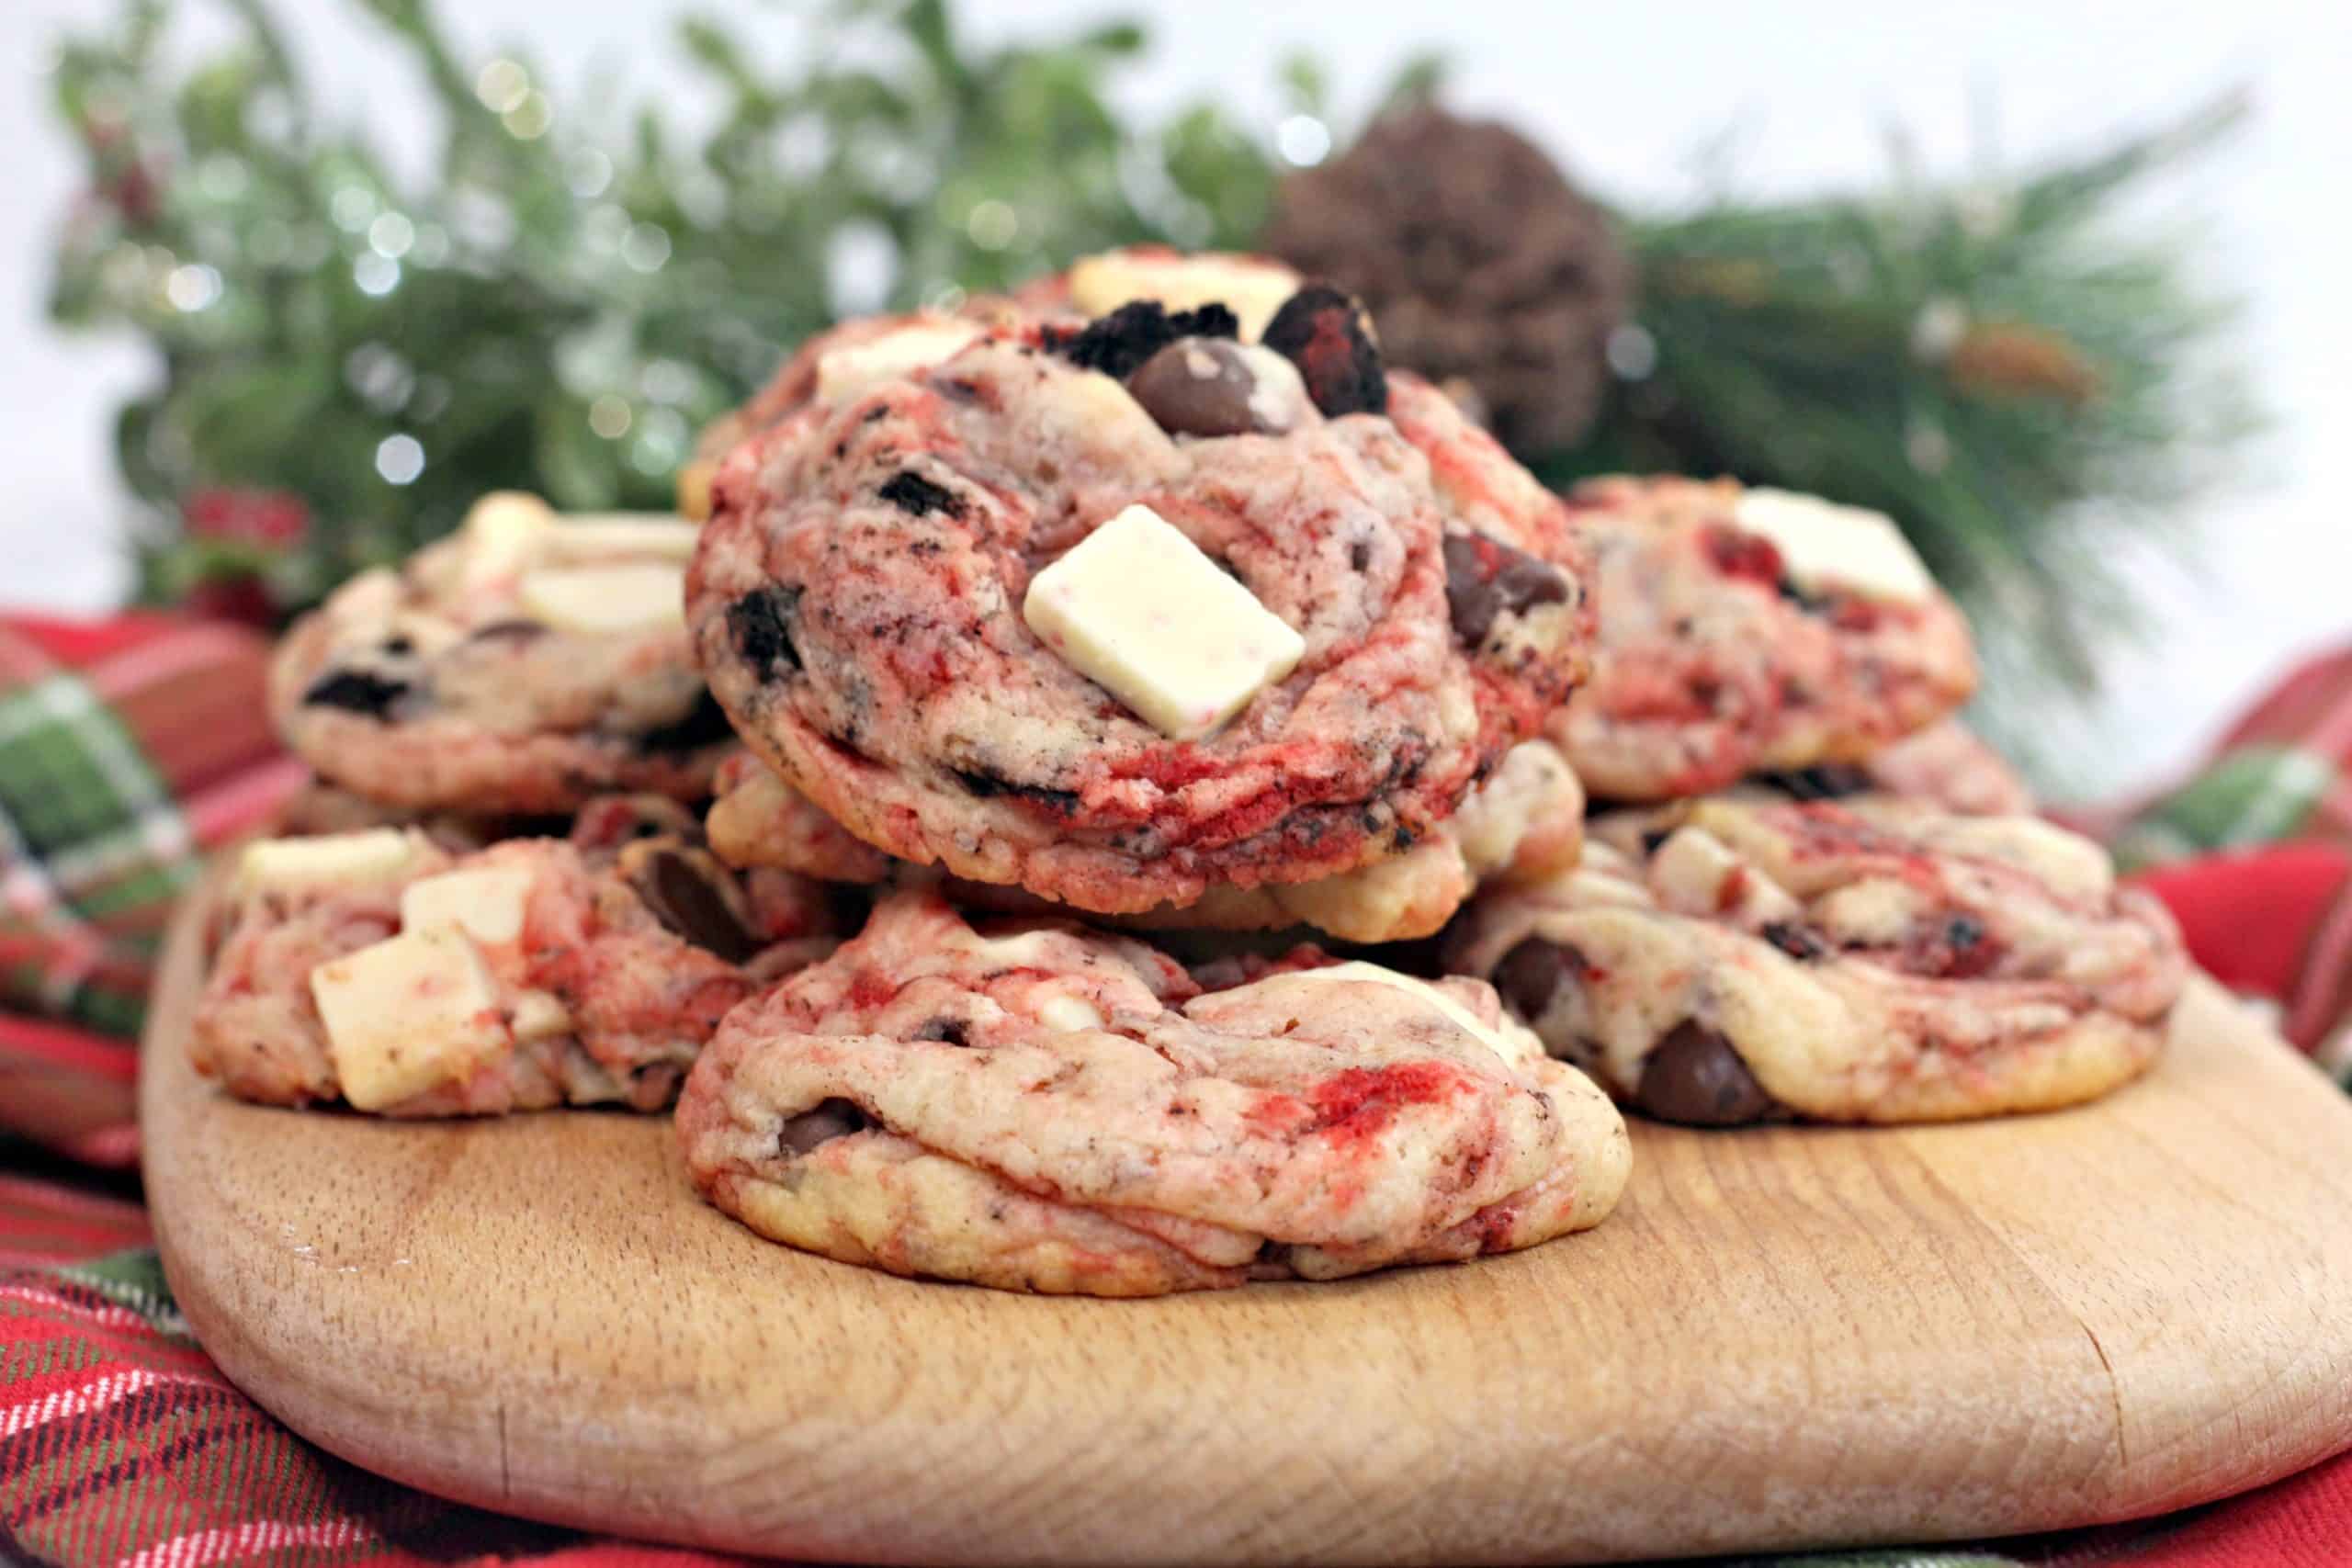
x=129 y=750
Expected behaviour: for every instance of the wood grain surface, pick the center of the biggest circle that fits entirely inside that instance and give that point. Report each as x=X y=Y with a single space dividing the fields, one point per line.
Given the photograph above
x=1785 y=1337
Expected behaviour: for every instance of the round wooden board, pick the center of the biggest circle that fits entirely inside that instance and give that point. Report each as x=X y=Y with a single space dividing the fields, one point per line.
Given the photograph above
x=1783 y=1338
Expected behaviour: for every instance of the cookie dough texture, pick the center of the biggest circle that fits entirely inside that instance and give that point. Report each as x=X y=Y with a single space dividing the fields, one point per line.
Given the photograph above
x=856 y=599
x=1034 y=1107
x=1872 y=960
x=1715 y=662
x=536 y=973
x=521 y=666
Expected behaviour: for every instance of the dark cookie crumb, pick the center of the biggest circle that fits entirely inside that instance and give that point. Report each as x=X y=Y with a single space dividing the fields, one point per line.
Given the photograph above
x=918 y=497
x=986 y=785
x=761 y=623
x=1119 y=343
x=357 y=691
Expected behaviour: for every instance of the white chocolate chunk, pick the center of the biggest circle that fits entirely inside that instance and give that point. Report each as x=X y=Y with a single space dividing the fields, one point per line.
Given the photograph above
x=1826 y=546
x=1252 y=289
x=502 y=537
x=857 y=368
x=647 y=535
x=484 y=902
x=408 y=1014
x=538 y=1015
x=1137 y=608
x=1455 y=1013
x=630 y=598
x=1069 y=1014
x=333 y=859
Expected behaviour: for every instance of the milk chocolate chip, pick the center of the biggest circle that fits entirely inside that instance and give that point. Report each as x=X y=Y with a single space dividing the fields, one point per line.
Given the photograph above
x=682 y=897
x=1529 y=974
x=1201 y=386
x=1695 y=1078
x=831 y=1119
x=1485 y=577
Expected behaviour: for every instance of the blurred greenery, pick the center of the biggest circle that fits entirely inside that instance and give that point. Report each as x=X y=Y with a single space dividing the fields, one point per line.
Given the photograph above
x=2007 y=366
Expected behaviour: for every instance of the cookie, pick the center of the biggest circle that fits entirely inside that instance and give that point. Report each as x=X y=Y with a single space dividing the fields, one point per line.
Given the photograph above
x=521 y=666
x=1035 y=1107
x=997 y=616
x=1525 y=823
x=1750 y=631
x=1729 y=961
x=379 y=969
x=1950 y=765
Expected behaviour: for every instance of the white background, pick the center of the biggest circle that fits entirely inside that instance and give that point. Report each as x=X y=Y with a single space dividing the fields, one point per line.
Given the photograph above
x=1625 y=95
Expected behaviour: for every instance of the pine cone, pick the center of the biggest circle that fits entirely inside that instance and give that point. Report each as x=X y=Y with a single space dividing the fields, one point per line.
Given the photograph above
x=1477 y=259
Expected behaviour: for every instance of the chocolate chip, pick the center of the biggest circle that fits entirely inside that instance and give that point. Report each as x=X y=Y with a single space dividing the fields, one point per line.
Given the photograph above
x=761 y=623
x=1653 y=838
x=1796 y=940
x=1120 y=343
x=682 y=897
x=831 y=1119
x=515 y=629
x=1486 y=579
x=986 y=786
x=357 y=691
x=1530 y=973
x=948 y=1031
x=1695 y=1078
x=918 y=497
x=1322 y=330
x=1359 y=554
x=1199 y=387
x=1830 y=781
x=398 y=645
x=706 y=724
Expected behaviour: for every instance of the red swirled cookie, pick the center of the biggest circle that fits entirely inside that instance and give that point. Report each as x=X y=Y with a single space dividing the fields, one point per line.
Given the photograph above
x=1035 y=1107
x=1750 y=631
x=1732 y=960
x=1126 y=612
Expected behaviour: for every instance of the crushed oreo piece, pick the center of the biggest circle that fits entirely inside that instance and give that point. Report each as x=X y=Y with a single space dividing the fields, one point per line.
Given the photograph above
x=1119 y=343
x=918 y=497
x=761 y=623
x=1486 y=579
x=986 y=785
x=1322 y=330
x=357 y=691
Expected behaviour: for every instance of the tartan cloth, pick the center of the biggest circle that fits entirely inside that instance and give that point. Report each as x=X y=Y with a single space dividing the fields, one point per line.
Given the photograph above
x=130 y=748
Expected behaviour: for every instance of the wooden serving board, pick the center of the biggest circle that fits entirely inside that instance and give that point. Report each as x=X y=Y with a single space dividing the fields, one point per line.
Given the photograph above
x=1785 y=1337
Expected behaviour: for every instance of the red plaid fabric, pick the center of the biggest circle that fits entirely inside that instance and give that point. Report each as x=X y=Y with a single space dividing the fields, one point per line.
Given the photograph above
x=129 y=750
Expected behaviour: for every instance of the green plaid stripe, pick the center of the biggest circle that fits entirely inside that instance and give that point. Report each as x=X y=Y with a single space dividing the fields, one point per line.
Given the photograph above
x=89 y=835
x=2257 y=794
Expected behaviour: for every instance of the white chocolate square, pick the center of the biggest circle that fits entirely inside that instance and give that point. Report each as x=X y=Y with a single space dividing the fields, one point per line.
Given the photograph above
x=331 y=860
x=502 y=535
x=484 y=902
x=857 y=368
x=605 y=536
x=1137 y=608
x=1252 y=289
x=1825 y=545
x=635 y=597
x=406 y=1015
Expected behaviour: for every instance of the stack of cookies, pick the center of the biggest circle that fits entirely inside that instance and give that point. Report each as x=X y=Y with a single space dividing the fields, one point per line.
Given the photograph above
x=1092 y=797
